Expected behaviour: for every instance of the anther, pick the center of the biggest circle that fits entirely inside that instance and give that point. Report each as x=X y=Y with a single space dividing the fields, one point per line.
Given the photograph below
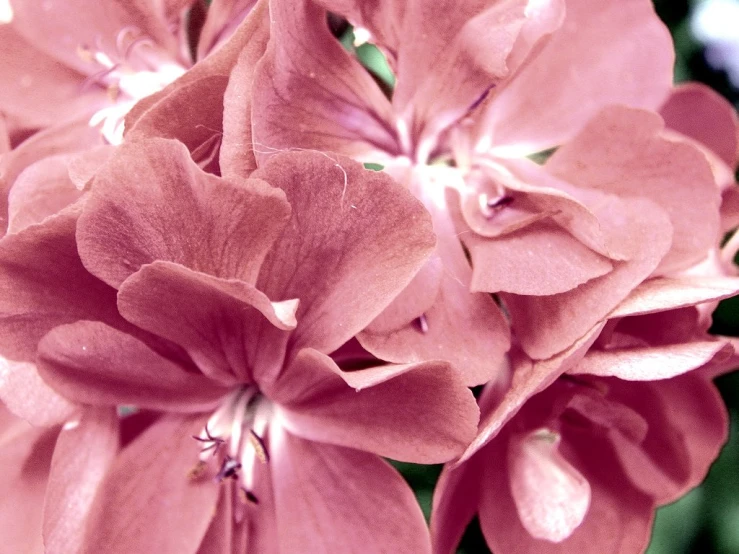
x=492 y=206
x=229 y=468
x=248 y=496
x=259 y=447
x=422 y=323
x=197 y=471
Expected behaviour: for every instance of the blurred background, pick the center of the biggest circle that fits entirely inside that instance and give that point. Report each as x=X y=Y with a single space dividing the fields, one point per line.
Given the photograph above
x=706 y=521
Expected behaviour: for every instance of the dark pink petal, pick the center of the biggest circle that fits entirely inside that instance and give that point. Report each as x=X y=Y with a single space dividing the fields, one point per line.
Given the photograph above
x=419 y=413
x=224 y=325
x=456 y=498
x=456 y=53
x=700 y=113
x=25 y=456
x=43 y=284
x=681 y=444
x=355 y=240
x=43 y=189
x=38 y=91
x=674 y=175
x=529 y=377
x=91 y=363
x=334 y=499
x=547 y=325
x=221 y=19
x=29 y=397
x=147 y=502
x=141 y=198
x=596 y=58
x=84 y=451
x=310 y=93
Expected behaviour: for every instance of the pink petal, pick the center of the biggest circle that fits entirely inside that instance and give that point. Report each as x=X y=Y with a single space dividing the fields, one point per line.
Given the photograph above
x=699 y=112
x=161 y=510
x=456 y=53
x=219 y=537
x=456 y=498
x=25 y=456
x=551 y=496
x=29 y=397
x=420 y=413
x=238 y=148
x=547 y=325
x=649 y=363
x=529 y=377
x=596 y=58
x=334 y=499
x=91 y=363
x=215 y=320
x=356 y=239
x=143 y=194
x=42 y=189
x=668 y=293
x=191 y=113
x=310 y=93
x=43 y=284
x=84 y=451
x=674 y=175
x=465 y=329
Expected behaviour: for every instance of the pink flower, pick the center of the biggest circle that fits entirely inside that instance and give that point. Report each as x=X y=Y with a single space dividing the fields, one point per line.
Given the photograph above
x=175 y=316
x=585 y=462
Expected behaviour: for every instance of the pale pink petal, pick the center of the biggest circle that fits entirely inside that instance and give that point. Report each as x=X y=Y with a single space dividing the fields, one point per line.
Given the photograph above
x=547 y=325
x=423 y=413
x=529 y=377
x=91 y=363
x=83 y=166
x=37 y=91
x=596 y=58
x=551 y=496
x=83 y=454
x=674 y=175
x=25 y=456
x=215 y=320
x=221 y=19
x=668 y=293
x=355 y=240
x=42 y=189
x=700 y=113
x=648 y=363
x=147 y=502
x=334 y=499
x=310 y=93
x=618 y=520
x=44 y=285
x=143 y=194
x=220 y=535
x=29 y=397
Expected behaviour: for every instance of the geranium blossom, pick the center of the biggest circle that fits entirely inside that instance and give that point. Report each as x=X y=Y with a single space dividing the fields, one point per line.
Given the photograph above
x=250 y=379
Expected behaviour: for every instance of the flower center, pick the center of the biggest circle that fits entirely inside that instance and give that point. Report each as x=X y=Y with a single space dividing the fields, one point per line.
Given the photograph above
x=138 y=68
x=233 y=440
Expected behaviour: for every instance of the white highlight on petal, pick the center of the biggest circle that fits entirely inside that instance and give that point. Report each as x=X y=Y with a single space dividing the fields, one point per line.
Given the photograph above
x=285 y=311
x=6 y=11
x=551 y=496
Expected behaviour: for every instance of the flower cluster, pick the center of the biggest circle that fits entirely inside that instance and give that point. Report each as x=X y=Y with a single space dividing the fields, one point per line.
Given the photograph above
x=241 y=265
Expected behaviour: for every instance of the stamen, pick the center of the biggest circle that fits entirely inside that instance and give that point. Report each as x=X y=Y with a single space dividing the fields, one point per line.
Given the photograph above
x=229 y=469
x=259 y=448
x=247 y=496
x=490 y=207
x=197 y=471
x=422 y=323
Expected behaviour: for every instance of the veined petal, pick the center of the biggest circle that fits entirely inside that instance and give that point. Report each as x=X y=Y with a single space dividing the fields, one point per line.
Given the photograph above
x=334 y=499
